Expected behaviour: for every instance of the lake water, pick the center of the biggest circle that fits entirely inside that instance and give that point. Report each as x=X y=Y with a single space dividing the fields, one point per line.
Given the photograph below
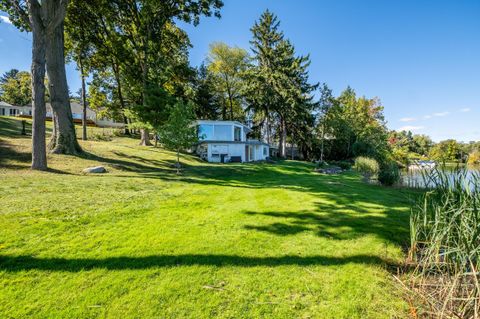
x=415 y=177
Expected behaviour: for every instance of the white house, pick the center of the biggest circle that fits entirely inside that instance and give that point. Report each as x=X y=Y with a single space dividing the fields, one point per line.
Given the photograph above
x=226 y=141
x=12 y=110
x=77 y=113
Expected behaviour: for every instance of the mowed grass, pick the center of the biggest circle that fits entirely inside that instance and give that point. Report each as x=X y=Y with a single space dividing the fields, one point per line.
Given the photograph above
x=219 y=241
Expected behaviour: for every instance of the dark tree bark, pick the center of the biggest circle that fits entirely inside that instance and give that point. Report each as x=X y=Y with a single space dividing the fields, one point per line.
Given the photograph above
x=64 y=140
x=39 y=151
x=84 y=103
x=120 y=96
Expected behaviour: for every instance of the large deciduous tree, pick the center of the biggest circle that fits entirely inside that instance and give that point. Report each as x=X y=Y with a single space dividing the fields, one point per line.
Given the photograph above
x=227 y=65
x=33 y=16
x=45 y=19
x=141 y=45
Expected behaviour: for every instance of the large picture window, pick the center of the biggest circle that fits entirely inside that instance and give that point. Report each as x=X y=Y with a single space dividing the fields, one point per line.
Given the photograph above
x=205 y=132
x=223 y=133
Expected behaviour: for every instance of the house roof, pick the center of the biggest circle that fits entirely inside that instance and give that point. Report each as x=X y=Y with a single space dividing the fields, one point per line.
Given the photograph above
x=212 y=122
x=5 y=104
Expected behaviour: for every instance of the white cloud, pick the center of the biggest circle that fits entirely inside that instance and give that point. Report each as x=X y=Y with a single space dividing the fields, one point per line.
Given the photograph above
x=427 y=117
x=465 y=110
x=441 y=114
x=411 y=128
x=407 y=119
x=5 y=19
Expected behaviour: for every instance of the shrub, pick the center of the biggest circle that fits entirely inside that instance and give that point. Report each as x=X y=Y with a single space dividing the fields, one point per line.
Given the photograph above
x=389 y=174
x=346 y=165
x=474 y=158
x=368 y=167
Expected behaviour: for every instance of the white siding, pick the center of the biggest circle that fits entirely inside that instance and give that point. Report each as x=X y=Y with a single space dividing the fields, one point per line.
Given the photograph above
x=224 y=148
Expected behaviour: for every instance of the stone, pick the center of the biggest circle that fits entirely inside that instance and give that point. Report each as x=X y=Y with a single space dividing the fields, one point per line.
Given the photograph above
x=94 y=170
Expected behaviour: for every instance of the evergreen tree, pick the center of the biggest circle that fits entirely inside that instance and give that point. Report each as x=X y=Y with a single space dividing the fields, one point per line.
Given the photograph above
x=278 y=90
x=207 y=105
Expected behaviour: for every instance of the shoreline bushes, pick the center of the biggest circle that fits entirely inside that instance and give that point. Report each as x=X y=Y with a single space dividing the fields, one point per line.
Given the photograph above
x=366 y=166
x=445 y=244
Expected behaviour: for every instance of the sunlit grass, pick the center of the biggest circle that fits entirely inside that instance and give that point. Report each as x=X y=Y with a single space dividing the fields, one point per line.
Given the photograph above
x=227 y=241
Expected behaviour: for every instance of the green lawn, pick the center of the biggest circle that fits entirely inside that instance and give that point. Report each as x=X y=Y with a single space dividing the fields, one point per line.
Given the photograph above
x=223 y=241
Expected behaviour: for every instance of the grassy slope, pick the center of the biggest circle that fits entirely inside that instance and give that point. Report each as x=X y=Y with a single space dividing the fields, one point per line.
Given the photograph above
x=228 y=241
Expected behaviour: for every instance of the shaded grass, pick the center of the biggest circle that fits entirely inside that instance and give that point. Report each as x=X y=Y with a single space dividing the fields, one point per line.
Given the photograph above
x=227 y=241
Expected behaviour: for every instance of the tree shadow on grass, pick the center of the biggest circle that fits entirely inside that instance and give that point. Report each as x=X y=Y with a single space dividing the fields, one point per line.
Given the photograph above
x=13 y=158
x=332 y=222
x=127 y=165
x=26 y=263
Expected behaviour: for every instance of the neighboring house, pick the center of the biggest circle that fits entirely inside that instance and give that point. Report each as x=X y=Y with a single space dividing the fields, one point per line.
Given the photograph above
x=12 y=110
x=77 y=114
x=226 y=141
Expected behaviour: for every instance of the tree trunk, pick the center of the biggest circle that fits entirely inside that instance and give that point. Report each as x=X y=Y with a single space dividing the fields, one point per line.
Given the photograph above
x=291 y=148
x=120 y=97
x=178 y=162
x=84 y=104
x=322 y=145
x=283 y=137
x=64 y=141
x=39 y=151
x=145 y=137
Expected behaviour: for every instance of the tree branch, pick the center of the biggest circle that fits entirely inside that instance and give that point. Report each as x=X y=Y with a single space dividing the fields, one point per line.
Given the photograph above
x=20 y=11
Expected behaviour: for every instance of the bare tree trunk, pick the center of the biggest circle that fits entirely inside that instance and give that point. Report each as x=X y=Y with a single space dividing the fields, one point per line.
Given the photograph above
x=64 y=141
x=84 y=104
x=322 y=146
x=145 y=137
x=283 y=137
x=39 y=151
x=120 y=97
x=268 y=127
x=291 y=148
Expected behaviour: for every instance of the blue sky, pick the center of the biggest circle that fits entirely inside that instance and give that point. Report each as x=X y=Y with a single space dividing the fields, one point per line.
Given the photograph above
x=421 y=58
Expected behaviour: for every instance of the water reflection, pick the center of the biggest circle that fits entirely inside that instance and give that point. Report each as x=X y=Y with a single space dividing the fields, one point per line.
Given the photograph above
x=421 y=178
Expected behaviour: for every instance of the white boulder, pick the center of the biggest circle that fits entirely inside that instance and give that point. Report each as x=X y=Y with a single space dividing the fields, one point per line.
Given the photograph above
x=94 y=170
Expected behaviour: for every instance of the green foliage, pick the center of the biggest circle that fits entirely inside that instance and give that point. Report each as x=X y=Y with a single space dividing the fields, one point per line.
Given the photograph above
x=407 y=146
x=474 y=158
x=349 y=126
x=179 y=132
x=389 y=173
x=227 y=66
x=15 y=88
x=449 y=150
x=278 y=91
x=207 y=102
x=366 y=166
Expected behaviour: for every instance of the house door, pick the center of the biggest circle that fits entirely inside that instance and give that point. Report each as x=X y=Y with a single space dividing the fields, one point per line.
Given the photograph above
x=246 y=153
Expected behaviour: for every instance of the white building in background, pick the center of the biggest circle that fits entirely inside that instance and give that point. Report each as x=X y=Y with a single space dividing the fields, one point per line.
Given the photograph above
x=12 y=110
x=226 y=141
x=77 y=114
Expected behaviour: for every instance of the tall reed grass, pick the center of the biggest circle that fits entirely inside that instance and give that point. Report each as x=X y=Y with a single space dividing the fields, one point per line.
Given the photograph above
x=445 y=245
